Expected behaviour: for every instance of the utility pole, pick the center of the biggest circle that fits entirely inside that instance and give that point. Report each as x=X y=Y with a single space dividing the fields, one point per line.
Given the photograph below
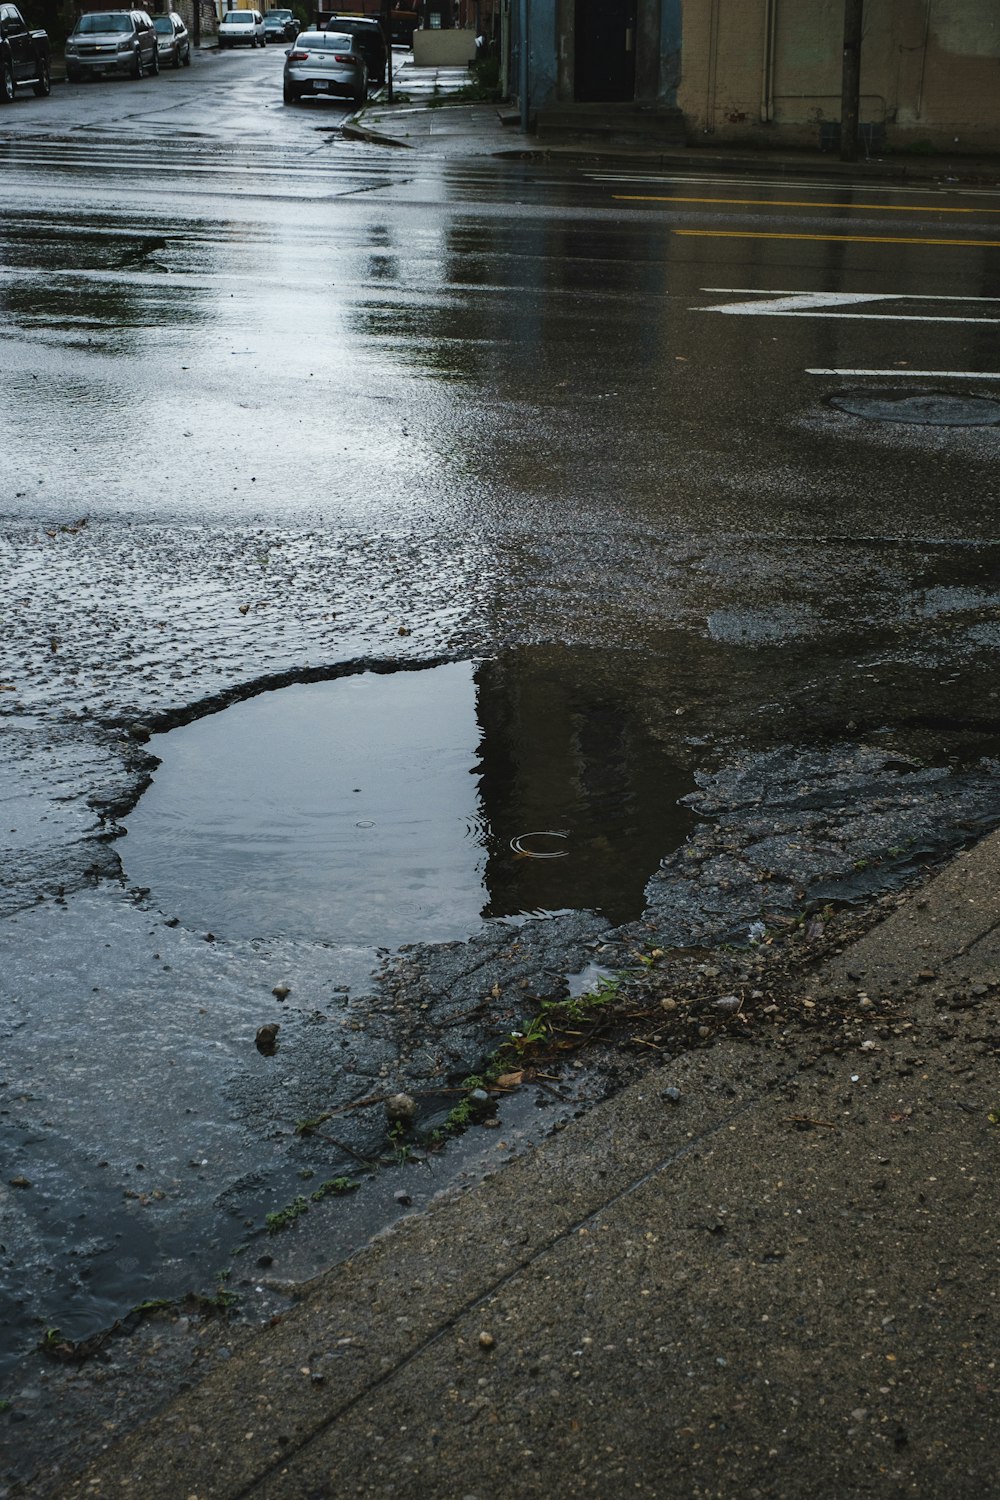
x=851 y=85
x=387 y=32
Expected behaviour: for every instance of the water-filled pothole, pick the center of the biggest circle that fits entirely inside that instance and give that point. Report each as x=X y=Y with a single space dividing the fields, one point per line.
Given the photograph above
x=385 y=808
x=929 y=409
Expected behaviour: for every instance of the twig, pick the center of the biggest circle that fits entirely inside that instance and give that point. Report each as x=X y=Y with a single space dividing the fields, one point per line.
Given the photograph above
x=366 y=1161
x=806 y=1120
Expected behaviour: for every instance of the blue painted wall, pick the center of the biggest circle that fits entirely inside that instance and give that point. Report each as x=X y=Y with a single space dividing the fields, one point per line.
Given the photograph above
x=670 y=51
x=543 y=51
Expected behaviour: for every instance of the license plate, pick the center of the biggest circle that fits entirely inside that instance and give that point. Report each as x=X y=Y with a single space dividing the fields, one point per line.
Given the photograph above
x=321 y=85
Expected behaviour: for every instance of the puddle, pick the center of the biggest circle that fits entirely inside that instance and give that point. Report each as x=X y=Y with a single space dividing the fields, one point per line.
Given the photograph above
x=386 y=808
x=932 y=409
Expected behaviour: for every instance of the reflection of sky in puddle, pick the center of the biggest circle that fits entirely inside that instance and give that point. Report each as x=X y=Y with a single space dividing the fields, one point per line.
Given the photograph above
x=341 y=810
x=386 y=808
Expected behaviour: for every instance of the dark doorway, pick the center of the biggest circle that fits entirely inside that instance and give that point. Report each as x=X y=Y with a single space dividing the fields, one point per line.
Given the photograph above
x=605 y=50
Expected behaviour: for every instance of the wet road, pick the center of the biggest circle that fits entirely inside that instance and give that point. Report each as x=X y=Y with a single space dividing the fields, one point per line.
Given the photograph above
x=699 y=464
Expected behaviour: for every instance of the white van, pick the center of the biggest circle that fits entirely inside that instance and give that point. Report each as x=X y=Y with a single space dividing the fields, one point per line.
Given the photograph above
x=242 y=28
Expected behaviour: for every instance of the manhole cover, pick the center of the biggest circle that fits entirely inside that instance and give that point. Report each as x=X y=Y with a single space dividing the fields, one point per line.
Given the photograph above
x=396 y=807
x=932 y=409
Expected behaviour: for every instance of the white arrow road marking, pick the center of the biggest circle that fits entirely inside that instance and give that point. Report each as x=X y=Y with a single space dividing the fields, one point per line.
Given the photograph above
x=796 y=302
x=781 y=304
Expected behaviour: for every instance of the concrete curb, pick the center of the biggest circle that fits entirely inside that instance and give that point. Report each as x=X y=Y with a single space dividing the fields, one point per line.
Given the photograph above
x=689 y=160
x=778 y=1279
x=372 y=137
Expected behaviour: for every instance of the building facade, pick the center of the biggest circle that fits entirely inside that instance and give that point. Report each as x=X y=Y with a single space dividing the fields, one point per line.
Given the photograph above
x=769 y=72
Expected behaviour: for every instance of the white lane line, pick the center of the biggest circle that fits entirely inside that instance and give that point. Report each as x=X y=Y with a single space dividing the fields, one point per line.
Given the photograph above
x=917 y=374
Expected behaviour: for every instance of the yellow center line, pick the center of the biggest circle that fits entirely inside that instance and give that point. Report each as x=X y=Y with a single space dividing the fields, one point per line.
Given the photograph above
x=854 y=239
x=897 y=208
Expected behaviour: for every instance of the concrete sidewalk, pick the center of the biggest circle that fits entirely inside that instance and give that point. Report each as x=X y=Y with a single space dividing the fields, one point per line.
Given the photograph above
x=780 y=1280
x=420 y=121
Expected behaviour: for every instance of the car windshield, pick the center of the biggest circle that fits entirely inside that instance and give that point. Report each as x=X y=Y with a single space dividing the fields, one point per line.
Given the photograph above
x=277 y=15
x=164 y=23
x=240 y=18
x=104 y=23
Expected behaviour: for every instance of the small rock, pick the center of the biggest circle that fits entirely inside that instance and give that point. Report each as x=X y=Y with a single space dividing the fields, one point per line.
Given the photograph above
x=727 y=1002
x=281 y=991
x=486 y=1340
x=403 y=1198
x=20 y=1181
x=671 y=1095
x=401 y=1108
x=267 y=1039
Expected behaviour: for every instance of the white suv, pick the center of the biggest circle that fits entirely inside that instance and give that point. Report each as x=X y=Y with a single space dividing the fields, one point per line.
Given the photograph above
x=242 y=28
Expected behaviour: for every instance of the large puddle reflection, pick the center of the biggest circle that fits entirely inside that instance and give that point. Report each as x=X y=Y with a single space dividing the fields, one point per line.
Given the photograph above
x=386 y=808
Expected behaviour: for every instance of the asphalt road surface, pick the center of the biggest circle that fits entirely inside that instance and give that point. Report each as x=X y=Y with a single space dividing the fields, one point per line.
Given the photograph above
x=698 y=474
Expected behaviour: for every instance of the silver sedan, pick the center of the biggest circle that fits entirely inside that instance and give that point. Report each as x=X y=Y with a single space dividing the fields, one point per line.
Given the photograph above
x=324 y=62
x=175 y=43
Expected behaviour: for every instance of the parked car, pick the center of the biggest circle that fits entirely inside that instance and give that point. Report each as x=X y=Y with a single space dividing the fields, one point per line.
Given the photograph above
x=368 y=40
x=324 y=62
x=175 y=43
x=280 y=26
x=112 y=41
x=404 y=16
x=24 y=55
x=242 y=28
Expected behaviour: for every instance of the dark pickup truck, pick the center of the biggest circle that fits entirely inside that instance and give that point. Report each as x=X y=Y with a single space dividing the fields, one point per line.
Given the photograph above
x=24 y=55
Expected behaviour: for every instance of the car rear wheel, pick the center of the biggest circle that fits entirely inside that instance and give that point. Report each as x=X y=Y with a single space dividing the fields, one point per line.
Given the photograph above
x=137 y=69
x=187 y=56
x=8 y=88
x=289 y=95
x=175 y=61
x=154 y=62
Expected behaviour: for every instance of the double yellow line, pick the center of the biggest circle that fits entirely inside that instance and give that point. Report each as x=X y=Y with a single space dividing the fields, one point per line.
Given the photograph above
x=856 y=239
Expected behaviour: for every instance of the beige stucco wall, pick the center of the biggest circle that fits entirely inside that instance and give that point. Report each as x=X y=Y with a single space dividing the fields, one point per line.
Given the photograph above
x=440 y=49
x=770 y=70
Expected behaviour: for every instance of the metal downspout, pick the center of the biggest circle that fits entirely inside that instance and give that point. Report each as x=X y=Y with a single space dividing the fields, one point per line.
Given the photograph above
x=522 y=62
x=923 y=61
x=713 y=59
x=767 y=73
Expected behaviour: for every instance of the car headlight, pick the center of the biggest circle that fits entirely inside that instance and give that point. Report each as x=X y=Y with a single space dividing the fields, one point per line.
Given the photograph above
x=125 y=45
